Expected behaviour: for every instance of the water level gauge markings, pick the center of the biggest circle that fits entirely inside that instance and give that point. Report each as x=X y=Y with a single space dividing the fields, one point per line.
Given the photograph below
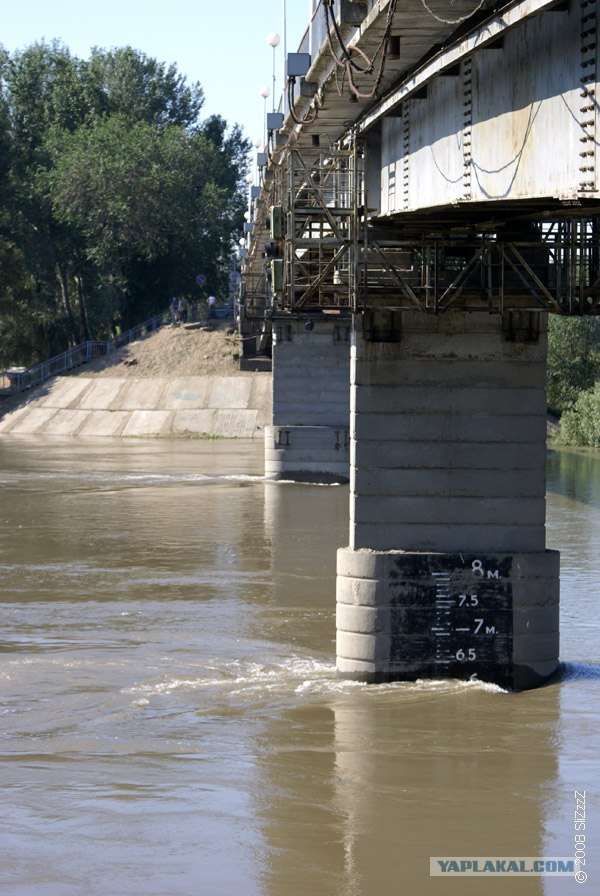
x=471 y=625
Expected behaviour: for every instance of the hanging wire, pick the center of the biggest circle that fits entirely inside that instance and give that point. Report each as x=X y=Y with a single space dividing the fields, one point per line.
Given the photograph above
x=452 y=21
x=331 y=21
x=348 y=62
x=312 y=113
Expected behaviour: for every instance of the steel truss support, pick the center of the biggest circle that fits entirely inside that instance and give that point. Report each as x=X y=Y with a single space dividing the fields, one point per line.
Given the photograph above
x=556 y=268
x=324 y=230
x=336 y=258
x=255 y=294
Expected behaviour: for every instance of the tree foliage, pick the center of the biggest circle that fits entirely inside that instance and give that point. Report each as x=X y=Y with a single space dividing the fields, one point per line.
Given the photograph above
x=573 y=359
x=128 y=83
x=114 y=194
x=580 y=424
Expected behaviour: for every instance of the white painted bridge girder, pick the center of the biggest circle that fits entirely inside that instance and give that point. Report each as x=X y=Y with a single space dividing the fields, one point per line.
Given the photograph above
x=512 y=120
x=478 y=103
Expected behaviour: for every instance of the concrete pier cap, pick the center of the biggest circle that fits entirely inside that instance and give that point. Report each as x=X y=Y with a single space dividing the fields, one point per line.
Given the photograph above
x=447 y=574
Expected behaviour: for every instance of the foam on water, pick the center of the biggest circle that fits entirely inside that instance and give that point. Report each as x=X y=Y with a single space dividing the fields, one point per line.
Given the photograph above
x=141 y=478
x=300 y=676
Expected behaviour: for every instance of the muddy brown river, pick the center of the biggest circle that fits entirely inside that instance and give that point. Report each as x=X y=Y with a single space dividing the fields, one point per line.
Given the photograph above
x=170 y=719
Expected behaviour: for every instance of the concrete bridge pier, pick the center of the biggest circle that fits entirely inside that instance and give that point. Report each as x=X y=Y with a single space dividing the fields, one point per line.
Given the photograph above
x=446 y=574
x=309 y=438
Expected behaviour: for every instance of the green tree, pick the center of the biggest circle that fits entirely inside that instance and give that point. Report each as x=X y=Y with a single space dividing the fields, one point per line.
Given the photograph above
x=127 y=82
x=580 y=424
x=42 y=92
x=141 y=196
x=573 y=359
x=43 y=88
x=113 y=192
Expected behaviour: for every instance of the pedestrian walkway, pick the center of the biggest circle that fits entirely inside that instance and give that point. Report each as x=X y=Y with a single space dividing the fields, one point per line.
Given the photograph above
x=19 y=379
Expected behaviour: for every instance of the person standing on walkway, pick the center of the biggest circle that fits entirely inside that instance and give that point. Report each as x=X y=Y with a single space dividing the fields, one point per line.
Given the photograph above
x=212 y=311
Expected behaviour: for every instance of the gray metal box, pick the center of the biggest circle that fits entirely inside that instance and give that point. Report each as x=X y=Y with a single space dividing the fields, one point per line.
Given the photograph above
x=297 y=64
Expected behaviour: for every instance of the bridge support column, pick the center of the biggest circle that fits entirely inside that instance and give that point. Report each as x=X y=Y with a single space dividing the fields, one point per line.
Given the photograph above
x=309 y=439
x=446 y=574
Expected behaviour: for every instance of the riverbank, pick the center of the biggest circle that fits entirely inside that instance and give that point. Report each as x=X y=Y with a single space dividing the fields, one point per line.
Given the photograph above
x=176 y=383
x=179 y=382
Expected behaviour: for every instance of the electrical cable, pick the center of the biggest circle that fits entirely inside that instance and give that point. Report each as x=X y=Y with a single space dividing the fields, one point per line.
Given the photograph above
x=452 y=21
x=330 y=18
x=349 y=63
x=310 y=116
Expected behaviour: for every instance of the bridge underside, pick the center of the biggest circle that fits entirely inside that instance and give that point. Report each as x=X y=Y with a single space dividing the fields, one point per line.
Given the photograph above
x=433 y=154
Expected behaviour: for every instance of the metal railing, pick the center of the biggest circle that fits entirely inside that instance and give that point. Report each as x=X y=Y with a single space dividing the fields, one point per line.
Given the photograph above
x=19 y=379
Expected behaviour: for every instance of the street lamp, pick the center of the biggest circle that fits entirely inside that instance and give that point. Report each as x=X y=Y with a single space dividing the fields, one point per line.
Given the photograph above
x=249 y=181
x=284 y=32
x=273 y=41
x=265 y=92
x=257 y=143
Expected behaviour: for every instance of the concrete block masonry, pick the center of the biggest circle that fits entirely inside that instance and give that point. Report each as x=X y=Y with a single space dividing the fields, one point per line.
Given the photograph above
x=219 y=406
x=309 y=436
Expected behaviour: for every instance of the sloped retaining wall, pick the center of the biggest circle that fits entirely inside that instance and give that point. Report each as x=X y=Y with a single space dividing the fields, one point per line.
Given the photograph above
x=204 y=406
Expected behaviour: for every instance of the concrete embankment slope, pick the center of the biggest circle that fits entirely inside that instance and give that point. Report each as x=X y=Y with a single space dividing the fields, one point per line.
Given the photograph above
x=160 y=387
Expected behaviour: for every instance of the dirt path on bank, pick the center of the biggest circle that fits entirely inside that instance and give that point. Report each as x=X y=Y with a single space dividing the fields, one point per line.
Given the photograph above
x=173 y=351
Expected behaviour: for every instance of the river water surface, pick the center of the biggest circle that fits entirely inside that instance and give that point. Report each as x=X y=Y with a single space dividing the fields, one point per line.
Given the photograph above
x=170 y=719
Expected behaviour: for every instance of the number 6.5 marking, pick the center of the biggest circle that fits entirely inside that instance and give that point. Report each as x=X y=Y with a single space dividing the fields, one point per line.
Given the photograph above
x=470 y=656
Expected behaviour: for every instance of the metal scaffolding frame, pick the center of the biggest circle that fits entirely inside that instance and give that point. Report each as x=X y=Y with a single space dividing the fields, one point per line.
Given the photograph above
x=331 y=255
x=556 y=268
x=323 y=229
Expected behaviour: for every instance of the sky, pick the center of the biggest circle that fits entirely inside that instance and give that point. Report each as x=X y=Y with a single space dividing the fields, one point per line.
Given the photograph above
x=220 y=43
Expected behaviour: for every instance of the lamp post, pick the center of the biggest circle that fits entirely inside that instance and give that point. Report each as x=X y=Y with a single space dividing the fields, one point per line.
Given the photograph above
x=284 y=33
x=256 y=144
x=273 y=41
x=265 y=92
x=249 y=181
